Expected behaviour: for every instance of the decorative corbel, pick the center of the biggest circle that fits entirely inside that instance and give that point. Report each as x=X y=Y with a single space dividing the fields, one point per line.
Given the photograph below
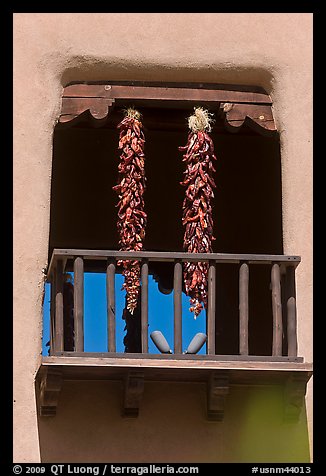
x=133 y=392
x=50 y=387
x=217 y=390
x=73 y=107
x=258 y=117
x=294 y=397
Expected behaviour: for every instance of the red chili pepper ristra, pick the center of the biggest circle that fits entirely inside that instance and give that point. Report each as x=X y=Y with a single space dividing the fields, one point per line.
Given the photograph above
x=132 y=218
x=197 y=205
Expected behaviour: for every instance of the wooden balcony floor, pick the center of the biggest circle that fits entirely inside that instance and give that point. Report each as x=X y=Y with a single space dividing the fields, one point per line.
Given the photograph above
x=252 y=370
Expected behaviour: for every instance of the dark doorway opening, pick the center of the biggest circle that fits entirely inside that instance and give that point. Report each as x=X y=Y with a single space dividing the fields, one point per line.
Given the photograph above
x=247 y=204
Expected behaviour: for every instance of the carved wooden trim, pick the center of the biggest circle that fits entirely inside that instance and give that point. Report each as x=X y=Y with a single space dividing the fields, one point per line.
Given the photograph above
x=218 y=387
x=71 y=108
x=257 y=116
x=133 y=392
x=294 y=397
x=50 y=387
x=236 y=105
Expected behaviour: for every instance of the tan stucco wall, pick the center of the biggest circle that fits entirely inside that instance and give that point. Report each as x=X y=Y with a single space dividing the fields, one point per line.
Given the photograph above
x=171 y=426
x=271 y=50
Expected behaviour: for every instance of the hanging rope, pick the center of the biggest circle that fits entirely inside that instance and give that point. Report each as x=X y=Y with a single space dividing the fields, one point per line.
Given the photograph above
x=197 y=205
x=131 y=215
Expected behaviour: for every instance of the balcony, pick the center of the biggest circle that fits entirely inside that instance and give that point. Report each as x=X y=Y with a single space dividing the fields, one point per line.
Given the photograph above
x=219 y=372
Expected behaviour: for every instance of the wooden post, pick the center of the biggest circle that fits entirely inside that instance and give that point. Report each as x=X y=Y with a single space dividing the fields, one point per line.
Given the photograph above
x=243 y=308
x=277 y=310
x=59 y=307
x=144 y=306
x=79 y=304
x=110 y=305
x=211 y=308
x=291 y=312
x=177 y=303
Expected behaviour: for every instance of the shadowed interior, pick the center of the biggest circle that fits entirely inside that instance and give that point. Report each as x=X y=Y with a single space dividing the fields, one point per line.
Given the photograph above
x=246 y=209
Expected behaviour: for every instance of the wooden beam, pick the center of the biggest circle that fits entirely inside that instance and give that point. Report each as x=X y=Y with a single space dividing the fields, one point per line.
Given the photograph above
x=110 y=300
x=133 y=393
x=211 y=308
x=79 y=304
x=144 y=306
x=277 y=310
x=59 y=306
x=49 y=391
x=294 y=397
x=218 y=387
x=177 y=303
x=125 y=92
x=243 y=308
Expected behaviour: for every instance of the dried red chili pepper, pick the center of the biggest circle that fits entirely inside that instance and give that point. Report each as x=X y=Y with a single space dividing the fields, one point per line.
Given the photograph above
x=197 y=205
x=132 y=218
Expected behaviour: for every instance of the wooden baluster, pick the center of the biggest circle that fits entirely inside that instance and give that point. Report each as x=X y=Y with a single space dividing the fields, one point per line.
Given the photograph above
x=52 y=314
x=291 y=312
x=59 y=307
x=177 y=305
x=211 y=308
x=79 y=304
x=277 y=310
x=243 y=308
x=110 y=305
x=144 y=306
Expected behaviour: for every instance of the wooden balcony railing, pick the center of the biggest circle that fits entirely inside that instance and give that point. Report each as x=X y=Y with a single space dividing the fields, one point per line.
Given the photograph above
x=279 y=264
x=218 y=371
